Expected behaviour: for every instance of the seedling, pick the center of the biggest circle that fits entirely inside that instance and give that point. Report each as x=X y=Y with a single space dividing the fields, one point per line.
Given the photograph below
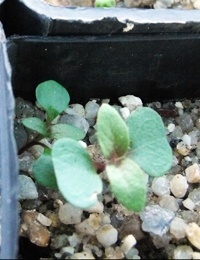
x=131 y=148
x=54 y=99
x=105 y=3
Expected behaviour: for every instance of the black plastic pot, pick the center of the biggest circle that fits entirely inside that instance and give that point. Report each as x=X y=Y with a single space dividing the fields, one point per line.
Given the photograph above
x=94 y=53
x=8 y=161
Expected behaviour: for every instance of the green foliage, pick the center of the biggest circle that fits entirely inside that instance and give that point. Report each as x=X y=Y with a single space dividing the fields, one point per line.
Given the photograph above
x=128 y=184
x=112 y=132
x=148 y=151
x=149 y=146
x=75 y=173
x=105 y=3
x=43 y=170
x=35 y=124
x=64 y=130
x=53 y=98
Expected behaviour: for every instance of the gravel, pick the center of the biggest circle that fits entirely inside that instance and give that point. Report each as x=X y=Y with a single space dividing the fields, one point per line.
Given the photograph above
x=169 y=225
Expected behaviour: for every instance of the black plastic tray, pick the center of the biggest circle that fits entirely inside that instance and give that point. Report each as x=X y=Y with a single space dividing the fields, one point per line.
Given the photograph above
x=98 y=52
x=8 y=161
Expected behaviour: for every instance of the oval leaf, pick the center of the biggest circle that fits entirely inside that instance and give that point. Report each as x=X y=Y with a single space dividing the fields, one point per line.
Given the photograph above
x=112 y=132
x=128 y=184
x=35 y=124
x=53 y=97
x=64 y=130
x=76 y=176
x=149 y=146
x=43 y=170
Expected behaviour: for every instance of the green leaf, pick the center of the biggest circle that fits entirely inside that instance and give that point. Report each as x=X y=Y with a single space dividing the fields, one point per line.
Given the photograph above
x=64 y=130
x=76 y=176
x=149 y=146
x=53 y=97
x=35 y=124
x=112 y=132
x=43 y=170
x=105 y=3
x=128 y=184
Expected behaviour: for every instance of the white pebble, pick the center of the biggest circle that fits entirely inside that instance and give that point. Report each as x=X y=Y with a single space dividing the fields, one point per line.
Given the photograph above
x=193 y=173
x=179 y=185
x=107 y=235
x=125 y=112
x=183 y=252
x=44 y=220
x=130 y=101
x=96 y=208
x=160 y=186
x=171 y=127
x=195 y=255
x=82 y=143
x=82 y=255
x=177 y=228
x=169 y=202
x=78 y=109
x=127 y=243
x=68 y=214
x=179 y=105
x=188 y=204
x=193 y=234
x=187 y=140
x=91 y=109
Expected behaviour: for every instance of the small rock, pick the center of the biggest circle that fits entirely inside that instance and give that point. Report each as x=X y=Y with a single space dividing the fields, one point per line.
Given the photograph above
x=182 y=148
x=59 y=241
x=133 y=253
x=82 y=255
x=125 y=112
x=107 y=235
x=75 y=120
x=35 y=231
x=127 y=243
x=69 y=250
x=160 y=242
x=169 y=202
x=26 y=161
x=179 y=186
x=195 y=255
x=171 y=127
x=44 y=220
x=55 y=222
x=21 y=136
x=179 y=105
x=98 y=207
x=27 y=188
x=160 y=186
x=185 y=122
x=193 y=173
x=156 y=220
x=132 y=225
x=77 y=109
x=91 y=109
x=193 y=234
x=89 y=226
x=130 y=101
x=196 y=4
x=194 y=195
x=69 y=214
x=183 y=252
x=189 y=204
x=74 y=240
x=111 y=253
x=177 y=228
